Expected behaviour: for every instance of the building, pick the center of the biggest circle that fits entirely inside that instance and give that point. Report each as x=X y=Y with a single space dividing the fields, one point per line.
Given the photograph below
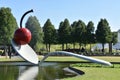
x=117 y=45
x=119 y=35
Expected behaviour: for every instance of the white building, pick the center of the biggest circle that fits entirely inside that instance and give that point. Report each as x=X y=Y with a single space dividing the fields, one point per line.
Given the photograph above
x=117 y=45
x=118 y=35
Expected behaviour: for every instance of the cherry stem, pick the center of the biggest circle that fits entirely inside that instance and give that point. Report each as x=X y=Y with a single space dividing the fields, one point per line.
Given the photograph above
x=24 y=16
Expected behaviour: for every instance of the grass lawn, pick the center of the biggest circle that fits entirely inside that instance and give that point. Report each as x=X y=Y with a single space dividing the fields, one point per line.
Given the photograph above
x=65 y=58
x=92 y=73
x=70 y=58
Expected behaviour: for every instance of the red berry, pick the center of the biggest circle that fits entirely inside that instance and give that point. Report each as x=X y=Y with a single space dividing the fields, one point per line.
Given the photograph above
x=22 y=36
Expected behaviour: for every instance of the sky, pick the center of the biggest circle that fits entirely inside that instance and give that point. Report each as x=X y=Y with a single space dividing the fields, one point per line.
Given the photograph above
x=73 y=10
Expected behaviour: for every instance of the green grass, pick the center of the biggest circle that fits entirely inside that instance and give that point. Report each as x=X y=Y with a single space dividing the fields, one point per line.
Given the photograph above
x=93 y=73
x=109 y=58
x=65 y=58
x=70 y=58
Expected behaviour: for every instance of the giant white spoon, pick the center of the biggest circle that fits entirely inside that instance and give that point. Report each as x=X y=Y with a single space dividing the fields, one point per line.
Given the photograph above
x=26 y=52
x=79 y=56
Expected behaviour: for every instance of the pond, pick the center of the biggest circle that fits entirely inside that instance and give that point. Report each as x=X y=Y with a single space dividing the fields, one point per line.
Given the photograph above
x=26 y=71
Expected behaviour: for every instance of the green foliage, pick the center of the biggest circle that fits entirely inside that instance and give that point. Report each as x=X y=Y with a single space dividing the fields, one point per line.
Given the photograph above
x=1 y=51
x=8 y=25
x=73 y=33
x=90 y=32
x=114 y=37
x=103 y=32
x=49 y=33
x=38 y=47
x=78 y=32
x=37 y=35
x=64 y=32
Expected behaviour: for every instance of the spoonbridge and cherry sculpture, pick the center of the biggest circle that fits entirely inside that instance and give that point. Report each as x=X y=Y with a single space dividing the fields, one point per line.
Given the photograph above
x=22 y=37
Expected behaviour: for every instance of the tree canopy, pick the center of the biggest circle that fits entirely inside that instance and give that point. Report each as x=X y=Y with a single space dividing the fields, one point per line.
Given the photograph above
x=64 y=32
x=49 y=33
x=103 y=32
x=90 y=32
x=8 y=25
x=37 y=35
x=79 y=32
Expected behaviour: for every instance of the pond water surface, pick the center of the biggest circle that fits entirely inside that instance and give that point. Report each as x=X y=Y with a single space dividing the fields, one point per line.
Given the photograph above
x=26 y=71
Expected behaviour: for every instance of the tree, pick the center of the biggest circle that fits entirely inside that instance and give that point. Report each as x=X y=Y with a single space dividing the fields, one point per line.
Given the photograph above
x=80 y=30
x=8 y=25
x=90 y=33
x=49 y=34
x=64 y=33
x=114 y=40
x=73 y=33
x=103 y=32
x=114 y=37
x=37 y=34
x=60 y=35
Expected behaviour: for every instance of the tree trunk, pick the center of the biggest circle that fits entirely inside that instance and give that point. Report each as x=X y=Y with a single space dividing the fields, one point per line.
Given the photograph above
x=85 y=45
x=46 y=47
x=49 y=47
x=110 y=48
x=62 y=46
x=90 y=47
x=66 y=46
x=9 y=51
x=103 y=47
x=79 y=45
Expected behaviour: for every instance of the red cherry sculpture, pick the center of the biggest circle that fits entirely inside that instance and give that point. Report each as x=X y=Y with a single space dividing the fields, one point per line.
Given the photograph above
x=22 y=35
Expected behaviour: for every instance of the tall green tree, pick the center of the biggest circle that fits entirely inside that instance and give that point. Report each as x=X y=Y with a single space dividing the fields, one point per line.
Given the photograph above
x=64 y=33
x=49 y=34
x=103 y=32
x=8 y=25
x=60 y=34
x=73 y=33
x=79 y=32
x=37 y=34
x=90 y=33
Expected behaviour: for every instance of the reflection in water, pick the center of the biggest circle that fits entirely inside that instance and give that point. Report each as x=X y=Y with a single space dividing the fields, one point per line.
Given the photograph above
x=8 y=72
x=71 y=71
x=45 y=71
x=28 y=74
x=53 y=71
